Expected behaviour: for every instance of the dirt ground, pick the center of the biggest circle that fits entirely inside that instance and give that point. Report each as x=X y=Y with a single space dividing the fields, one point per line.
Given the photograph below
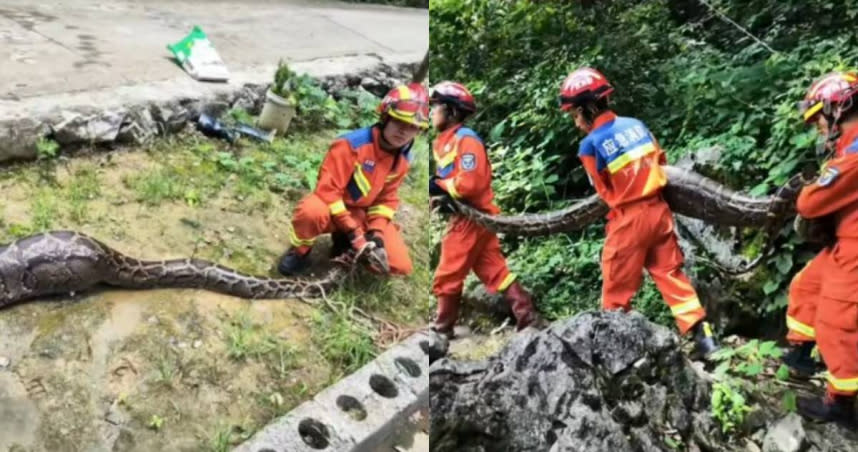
x=178 y=369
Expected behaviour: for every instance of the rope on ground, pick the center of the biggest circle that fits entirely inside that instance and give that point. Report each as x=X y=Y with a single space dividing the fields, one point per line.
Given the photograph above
x=386 y=333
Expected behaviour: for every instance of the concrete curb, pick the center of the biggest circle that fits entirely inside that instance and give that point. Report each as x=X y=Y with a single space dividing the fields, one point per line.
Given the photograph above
x=358 y=412
x=133 y=114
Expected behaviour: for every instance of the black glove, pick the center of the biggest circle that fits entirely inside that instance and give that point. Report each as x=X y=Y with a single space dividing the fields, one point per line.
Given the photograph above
x=434 y=188
x=819 y=231
x=375 y=237
x=443 y=204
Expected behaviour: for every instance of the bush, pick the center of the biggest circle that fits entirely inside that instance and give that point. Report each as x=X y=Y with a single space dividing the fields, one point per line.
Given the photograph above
x=693 y=78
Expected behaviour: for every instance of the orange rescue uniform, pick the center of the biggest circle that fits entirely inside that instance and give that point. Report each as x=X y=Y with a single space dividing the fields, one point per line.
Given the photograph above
x=357 y=191
x=823 y=302
x=623 y=161
x=465 y=173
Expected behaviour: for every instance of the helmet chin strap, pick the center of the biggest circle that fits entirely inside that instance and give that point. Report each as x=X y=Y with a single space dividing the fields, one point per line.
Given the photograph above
x=449 y=119
x=828 y=146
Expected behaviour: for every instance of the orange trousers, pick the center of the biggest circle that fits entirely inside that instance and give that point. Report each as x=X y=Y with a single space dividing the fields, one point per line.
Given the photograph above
x=468 y=246
x=641 y=236
x=804 y=293
x=312 y=217
x=823 y=305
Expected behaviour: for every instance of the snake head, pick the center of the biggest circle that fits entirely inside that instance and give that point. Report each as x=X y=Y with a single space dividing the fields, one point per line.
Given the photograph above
x=376 y=258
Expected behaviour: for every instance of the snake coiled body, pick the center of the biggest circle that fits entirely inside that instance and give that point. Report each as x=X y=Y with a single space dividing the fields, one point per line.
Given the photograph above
x=687 y=193
x=60 y=262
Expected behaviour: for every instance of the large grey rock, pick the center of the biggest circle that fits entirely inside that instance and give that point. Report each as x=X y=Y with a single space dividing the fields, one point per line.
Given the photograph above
x=18 y=138
x=159 y=112
x=138 y=127
x=597 y=381
x=77 y=127
x=786 y=435
x=830 y=438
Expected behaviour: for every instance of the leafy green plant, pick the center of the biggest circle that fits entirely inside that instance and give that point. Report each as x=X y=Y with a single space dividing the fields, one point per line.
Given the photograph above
x=747 y=360
x=46 y=148
x=742 y=370
x=729 y=406
x=284 y=78
x=155 y=422
x=696 y=82
x=240 y=115
x=316 y=107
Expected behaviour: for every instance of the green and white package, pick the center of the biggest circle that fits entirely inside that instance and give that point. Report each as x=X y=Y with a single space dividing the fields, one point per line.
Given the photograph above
x=198 y=56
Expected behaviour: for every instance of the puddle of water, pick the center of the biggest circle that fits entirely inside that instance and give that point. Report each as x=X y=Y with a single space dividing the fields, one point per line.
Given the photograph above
x=122 y=321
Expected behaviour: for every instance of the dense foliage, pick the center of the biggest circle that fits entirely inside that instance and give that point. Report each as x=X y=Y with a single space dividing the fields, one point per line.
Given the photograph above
x=693 y=77
x=411 y=3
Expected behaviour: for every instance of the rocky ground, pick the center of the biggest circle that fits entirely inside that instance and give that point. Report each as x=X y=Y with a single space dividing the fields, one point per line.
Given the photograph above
x=598 y=382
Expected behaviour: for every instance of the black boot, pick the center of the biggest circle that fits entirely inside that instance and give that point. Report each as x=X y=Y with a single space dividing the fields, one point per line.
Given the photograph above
x=831 y=408
x=800 y=360
x=293 y=262
x=704 y=340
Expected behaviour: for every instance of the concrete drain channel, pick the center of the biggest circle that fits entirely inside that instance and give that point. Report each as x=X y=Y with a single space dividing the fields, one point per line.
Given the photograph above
x=359 y=412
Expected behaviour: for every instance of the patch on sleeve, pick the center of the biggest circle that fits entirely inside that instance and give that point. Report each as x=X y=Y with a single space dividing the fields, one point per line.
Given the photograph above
x=469 y=162
x=828 y=176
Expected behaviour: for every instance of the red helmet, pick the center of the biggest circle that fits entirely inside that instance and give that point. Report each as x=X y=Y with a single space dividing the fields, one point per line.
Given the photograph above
x=830 y=95
x=582 y=86
x=407 y=103
x=455 y=94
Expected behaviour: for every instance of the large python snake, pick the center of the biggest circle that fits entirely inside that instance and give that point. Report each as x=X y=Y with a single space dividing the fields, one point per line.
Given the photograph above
x=688 y=193
x=61 y=262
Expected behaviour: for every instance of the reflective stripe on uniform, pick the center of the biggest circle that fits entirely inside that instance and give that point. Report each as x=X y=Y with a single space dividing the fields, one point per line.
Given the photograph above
x=297 y=241
x=451 y=188
x=510 y=278
x=801 y=328
x=630 y=156
x=447 y=159
x=842 y=384
x=361 y=180
x=381 y=210
x=686 y=307
x=337 y=207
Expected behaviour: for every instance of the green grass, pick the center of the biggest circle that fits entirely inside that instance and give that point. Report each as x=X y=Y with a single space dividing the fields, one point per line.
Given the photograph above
x=44 y=210
x=194 y=170
x=225 y=437
x=345 y=344
x=155 y=187
x=83 y=186
x=184 y=179
x=167 y=370
x=248 y=340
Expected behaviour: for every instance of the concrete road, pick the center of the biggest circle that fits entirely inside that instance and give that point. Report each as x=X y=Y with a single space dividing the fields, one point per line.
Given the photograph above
x=72 y=46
